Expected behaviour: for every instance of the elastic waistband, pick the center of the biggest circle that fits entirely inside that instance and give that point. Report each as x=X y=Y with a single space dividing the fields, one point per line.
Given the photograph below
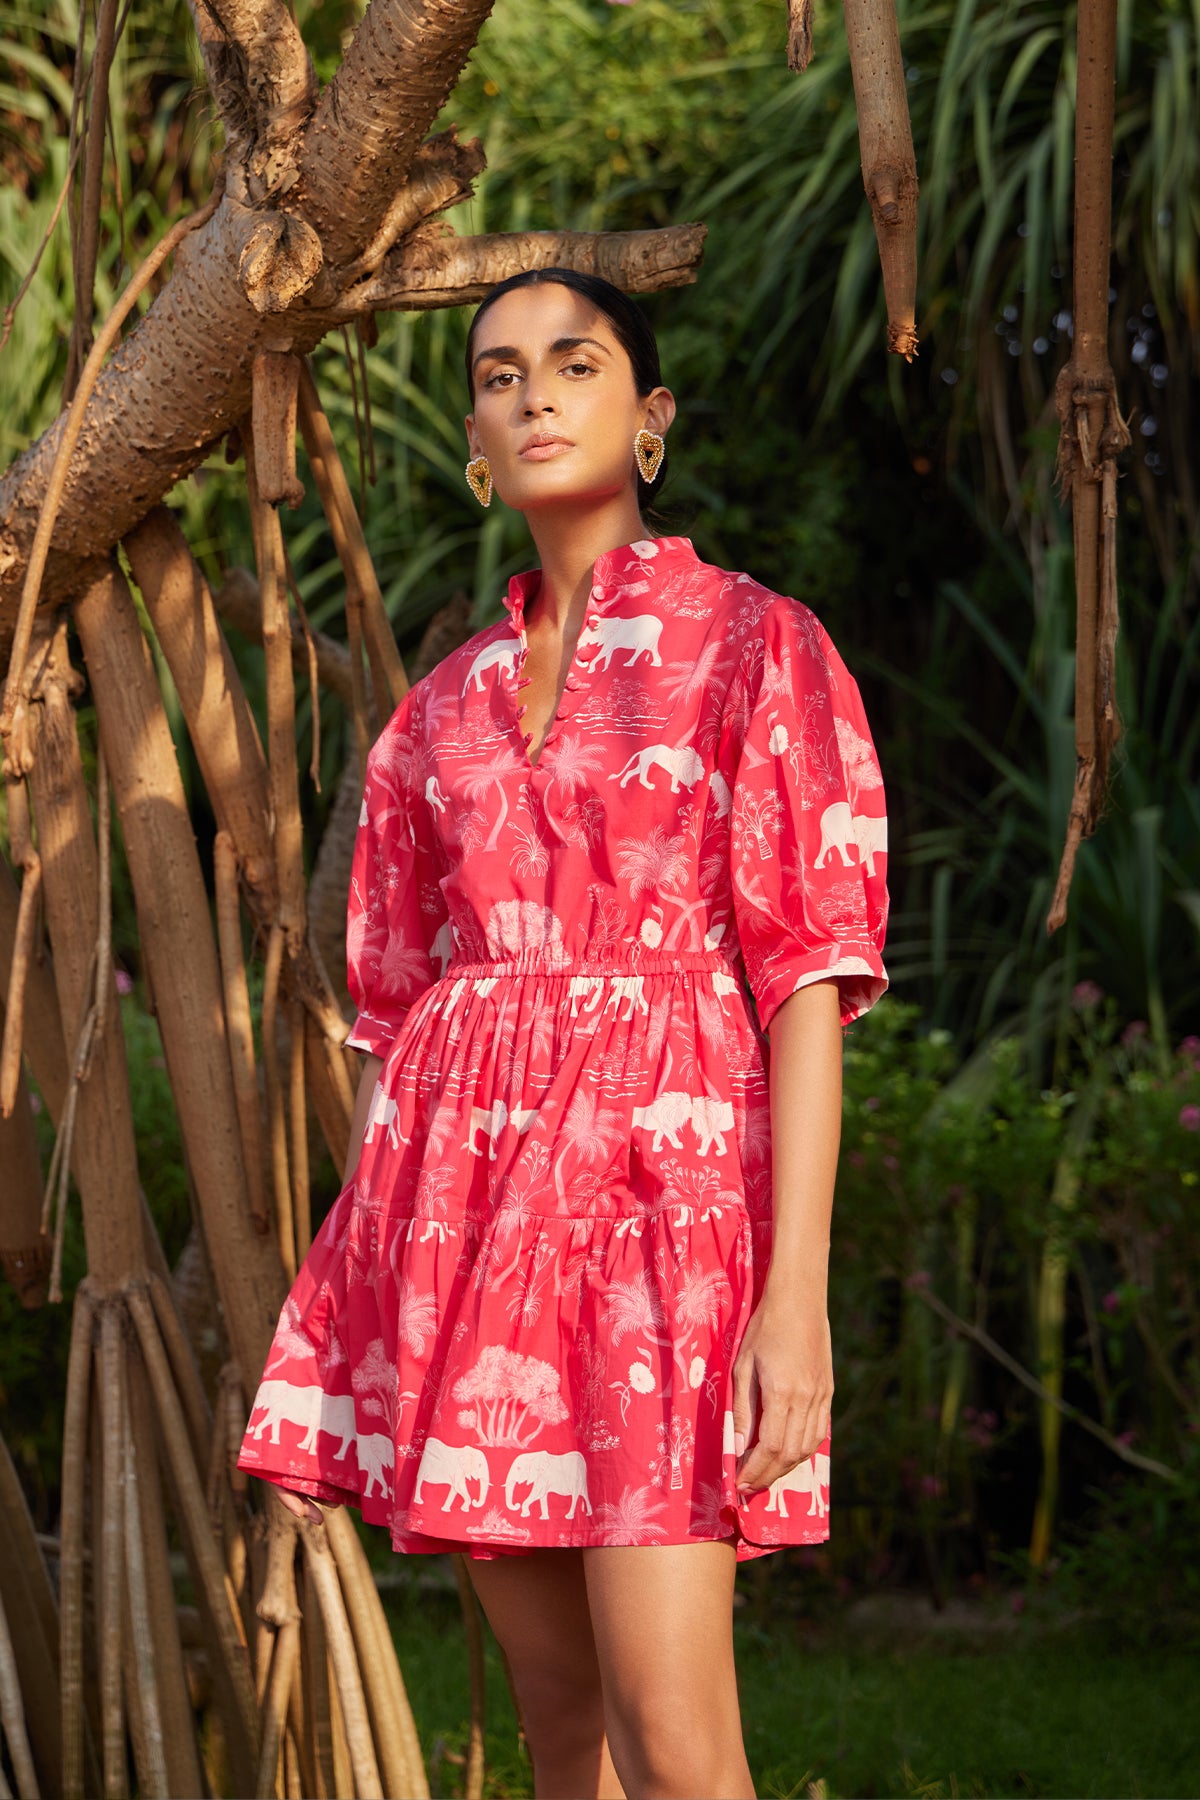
x=549 y=968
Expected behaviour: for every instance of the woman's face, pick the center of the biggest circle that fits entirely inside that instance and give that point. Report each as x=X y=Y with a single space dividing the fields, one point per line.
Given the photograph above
x=556 y=408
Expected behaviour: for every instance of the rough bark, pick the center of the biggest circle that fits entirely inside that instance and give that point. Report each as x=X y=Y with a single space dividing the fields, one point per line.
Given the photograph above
x=1092 y=435
x=172 y=909
x=104 y=1156
x=888 y=164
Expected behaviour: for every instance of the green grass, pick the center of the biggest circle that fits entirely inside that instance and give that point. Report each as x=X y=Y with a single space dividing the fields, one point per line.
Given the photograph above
x=1037 y=1713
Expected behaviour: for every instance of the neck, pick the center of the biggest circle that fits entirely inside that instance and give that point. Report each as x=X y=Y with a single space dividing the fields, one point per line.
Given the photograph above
x=568 y=541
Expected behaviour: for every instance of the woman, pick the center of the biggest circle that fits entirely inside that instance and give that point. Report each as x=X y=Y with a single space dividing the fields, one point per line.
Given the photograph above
x=569 y=1312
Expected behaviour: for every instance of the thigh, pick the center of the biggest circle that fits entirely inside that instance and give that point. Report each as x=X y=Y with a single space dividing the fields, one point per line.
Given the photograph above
x=537 y=1605
x=662 y=1620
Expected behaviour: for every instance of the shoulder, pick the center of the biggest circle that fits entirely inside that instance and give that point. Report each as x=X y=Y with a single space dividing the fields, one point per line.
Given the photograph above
x=774 y=632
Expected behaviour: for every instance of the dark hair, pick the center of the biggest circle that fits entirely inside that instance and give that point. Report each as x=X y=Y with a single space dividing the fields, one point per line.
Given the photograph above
x=629 y=326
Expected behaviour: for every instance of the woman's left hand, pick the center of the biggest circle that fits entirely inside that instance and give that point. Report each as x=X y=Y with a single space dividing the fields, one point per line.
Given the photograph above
x=784 y=1371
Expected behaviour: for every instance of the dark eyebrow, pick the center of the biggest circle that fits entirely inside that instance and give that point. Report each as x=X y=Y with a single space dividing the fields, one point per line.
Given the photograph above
x=507 y=352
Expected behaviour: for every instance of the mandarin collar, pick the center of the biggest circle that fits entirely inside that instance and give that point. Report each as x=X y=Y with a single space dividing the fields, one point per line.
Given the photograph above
x=631 y=569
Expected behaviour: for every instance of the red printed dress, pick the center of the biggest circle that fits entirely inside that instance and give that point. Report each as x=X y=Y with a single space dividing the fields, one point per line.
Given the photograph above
x=517 y=1325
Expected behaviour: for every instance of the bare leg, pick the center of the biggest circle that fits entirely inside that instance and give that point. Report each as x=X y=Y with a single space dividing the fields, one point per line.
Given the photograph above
x=537 y=1605
x=662 y=1621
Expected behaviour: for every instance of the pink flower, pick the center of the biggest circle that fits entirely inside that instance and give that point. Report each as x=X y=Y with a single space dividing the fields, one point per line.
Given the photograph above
x=1085 y=995
x=1189 y=1046
x=1017 y=1602
x=931 y=1486
x=1189 y=1118
x=1136 y=1028
x=893 y=1162
x=919 y=1278
x=1111 y=1302
x=857 y=1160
x=124 y=982
x=871 y=1102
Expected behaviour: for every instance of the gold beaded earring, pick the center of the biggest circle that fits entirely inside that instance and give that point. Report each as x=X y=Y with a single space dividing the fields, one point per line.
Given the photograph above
x=479 y=475
x=649 y=449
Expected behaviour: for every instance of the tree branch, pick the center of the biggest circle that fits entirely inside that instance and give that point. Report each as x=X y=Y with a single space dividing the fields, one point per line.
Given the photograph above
x=279 y=82
x=401 y=65
x=436 y=269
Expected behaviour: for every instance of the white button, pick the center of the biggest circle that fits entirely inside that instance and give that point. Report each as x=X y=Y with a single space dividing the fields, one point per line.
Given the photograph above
x=597 y=593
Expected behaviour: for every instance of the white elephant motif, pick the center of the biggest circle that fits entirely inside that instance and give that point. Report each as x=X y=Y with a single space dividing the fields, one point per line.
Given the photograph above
x=310 y=1409
x=711 y=1119
x=504 y=650
x=382 y=1117
x=840 y=828
x=546 y=1474
x=456 y=1464
x=639 y=635
x=626 y=987
x=376 y=1452
x=666 y=1116
x=491 y=1119
x=808 y=1477
x=680 y=761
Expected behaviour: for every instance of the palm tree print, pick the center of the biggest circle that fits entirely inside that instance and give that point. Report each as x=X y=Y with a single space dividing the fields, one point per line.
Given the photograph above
x=569 y=982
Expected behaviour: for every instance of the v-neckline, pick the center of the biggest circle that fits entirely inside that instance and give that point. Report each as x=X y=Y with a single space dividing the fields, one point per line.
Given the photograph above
x=556 y=717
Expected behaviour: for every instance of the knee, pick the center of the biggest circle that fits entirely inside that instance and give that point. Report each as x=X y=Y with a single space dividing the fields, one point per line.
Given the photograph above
x=669 y=1754
x=562 y=1710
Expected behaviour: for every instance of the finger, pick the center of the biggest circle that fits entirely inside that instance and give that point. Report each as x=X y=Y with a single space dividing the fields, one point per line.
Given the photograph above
x=764 y=1454
x=745 y=1392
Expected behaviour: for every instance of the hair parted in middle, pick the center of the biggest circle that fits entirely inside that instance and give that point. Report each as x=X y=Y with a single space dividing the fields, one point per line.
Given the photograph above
x=629 y=325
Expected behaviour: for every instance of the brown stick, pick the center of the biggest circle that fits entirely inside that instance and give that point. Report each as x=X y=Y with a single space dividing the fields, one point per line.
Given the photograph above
x=105 y=1159
x=12 y=1714
x=70 y=1565
x=321 y=1567
x=230 y=1661
x=285 y=1229
x=399 y=1745
x=327 y=1099
x=219 y=720
x=33 y=1618
x=238 y=1026
x=281 y=709
x=283 y=1668
x=152 y=1765
x=301 y=1196
x=184 y=1372
x=315 y=1675
x=348 y=538
x=238 y=604
x=16 y=696
x=112 y=1417
x=26 y=858
x=180 y=953
x=179 y=1732
x=88 y=240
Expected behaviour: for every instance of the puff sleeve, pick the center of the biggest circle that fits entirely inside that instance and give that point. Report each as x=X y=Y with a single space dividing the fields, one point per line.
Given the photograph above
x=396 y=917
x=808 y=827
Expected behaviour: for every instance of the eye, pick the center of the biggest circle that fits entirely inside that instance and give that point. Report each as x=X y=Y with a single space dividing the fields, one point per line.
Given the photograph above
x=502 y=377
x=581 y=368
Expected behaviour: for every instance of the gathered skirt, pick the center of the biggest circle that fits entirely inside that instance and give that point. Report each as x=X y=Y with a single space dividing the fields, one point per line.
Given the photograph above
x=517 y=1325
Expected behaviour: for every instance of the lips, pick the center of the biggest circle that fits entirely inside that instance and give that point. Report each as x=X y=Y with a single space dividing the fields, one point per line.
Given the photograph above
x=542 y=447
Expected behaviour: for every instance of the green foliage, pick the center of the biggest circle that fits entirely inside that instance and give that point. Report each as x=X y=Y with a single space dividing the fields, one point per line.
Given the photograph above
x=951 y=1183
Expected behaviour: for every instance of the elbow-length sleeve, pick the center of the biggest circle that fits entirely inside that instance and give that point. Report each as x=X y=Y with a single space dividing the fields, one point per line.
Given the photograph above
x=397 y=929
x=808 y=827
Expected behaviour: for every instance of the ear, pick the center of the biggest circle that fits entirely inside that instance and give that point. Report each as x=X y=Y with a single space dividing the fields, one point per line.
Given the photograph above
x=660 y=411
x=474 y=447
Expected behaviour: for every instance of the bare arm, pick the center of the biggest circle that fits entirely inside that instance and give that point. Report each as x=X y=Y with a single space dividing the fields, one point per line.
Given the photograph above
x=785 y=1363
x=372 y=1068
